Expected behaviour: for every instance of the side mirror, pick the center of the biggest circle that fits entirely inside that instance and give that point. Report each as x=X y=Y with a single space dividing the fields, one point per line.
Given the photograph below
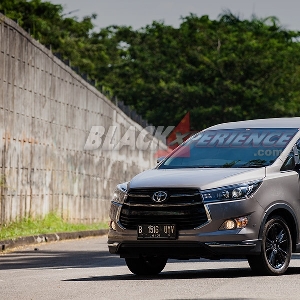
x=160 y=159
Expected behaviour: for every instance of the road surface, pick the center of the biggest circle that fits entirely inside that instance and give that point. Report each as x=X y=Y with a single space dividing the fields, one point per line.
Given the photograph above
x=84 y=269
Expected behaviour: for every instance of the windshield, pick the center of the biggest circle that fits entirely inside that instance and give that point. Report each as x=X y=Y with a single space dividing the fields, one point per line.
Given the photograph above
x=230 y=148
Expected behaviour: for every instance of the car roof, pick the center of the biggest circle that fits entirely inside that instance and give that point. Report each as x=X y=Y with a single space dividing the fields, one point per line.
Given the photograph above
x=261 y=123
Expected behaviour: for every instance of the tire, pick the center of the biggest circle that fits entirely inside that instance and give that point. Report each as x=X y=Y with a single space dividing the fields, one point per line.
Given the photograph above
x=276 y=249
x=146 y=265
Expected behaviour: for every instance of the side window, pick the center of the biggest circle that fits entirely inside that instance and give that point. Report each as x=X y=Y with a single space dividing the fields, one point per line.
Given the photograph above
x=289 y=163
x=298 y=147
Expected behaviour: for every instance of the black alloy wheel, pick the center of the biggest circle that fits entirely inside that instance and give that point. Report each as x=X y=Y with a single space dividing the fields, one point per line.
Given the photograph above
x=276 y=251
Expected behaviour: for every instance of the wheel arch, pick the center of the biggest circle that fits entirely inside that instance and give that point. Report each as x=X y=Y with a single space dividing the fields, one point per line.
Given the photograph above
x=287 y=213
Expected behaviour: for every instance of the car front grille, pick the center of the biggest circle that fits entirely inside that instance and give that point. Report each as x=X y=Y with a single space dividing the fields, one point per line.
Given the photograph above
x=182 y=207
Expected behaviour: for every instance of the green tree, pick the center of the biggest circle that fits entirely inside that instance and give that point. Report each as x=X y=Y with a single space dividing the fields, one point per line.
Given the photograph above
x=220 y=71
x=46 y=22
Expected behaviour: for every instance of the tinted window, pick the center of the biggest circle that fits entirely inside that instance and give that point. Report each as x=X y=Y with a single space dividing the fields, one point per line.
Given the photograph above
x=290 y=163
x=231 y=148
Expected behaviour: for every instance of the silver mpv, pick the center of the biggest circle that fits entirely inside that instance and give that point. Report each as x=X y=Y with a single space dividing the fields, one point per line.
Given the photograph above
x=230 y=191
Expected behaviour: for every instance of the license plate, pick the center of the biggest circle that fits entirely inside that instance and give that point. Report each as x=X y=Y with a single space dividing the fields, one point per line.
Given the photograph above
x=154 y=231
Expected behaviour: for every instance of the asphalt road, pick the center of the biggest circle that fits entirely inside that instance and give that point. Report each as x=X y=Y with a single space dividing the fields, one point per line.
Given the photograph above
x=84 y=269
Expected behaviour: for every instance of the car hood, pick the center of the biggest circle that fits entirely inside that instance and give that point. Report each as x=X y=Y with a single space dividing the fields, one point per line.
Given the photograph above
x=199 y=178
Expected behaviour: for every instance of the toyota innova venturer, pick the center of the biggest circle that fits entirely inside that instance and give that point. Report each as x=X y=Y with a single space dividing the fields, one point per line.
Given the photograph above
x=229 y=191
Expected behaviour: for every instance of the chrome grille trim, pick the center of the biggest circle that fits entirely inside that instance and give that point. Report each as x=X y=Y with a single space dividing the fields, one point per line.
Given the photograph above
x=184 y=207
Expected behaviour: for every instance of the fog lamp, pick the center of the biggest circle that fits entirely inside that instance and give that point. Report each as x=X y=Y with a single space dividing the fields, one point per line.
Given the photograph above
x=236 y=223
x=228 y=225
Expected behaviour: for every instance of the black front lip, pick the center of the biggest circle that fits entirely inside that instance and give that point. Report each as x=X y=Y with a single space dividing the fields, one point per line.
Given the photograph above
x=185 y=250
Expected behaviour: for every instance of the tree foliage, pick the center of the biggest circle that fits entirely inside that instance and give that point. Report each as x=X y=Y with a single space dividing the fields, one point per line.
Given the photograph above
x=219 y=70
x=46 y=22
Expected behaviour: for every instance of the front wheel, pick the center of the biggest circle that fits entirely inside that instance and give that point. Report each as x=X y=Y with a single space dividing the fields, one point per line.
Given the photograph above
x=276 y=251
x=146 y=265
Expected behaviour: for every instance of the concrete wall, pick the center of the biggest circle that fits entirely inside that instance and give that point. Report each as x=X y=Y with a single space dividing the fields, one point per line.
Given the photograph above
x=46 y=114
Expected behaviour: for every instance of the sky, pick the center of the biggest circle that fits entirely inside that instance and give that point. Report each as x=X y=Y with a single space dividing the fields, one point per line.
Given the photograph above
x=139 y=13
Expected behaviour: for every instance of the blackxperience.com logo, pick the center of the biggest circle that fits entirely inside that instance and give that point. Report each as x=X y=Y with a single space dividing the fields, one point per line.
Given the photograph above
x=112 y=139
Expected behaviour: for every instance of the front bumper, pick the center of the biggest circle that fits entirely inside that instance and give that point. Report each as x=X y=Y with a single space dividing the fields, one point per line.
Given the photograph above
x=206 y=241
x=185 y=250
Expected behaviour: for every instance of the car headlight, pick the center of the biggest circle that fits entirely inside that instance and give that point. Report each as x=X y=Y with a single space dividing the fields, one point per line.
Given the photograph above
x=120 y=193
x=231 y=192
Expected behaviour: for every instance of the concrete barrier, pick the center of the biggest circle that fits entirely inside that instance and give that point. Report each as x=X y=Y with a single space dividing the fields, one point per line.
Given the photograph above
x=46 y=114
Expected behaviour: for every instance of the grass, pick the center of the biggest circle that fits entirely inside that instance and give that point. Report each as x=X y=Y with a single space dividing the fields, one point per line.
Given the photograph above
x=51 y=223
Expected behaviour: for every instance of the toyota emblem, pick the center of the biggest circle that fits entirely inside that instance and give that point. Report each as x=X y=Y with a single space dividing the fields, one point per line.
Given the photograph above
x=159 y=196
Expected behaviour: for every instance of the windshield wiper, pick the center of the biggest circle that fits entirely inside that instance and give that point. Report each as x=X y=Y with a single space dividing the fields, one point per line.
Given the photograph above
x=255 y=163
x=252 y=166
x=202 y=167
